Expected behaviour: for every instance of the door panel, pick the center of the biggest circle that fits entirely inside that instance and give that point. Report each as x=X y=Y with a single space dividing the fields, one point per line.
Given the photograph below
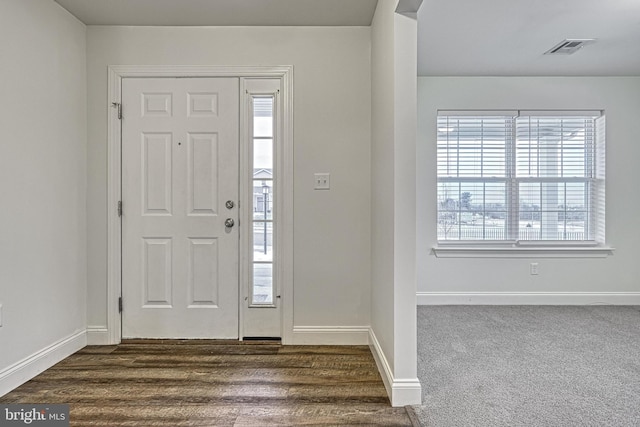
x=180 y=166
x=156 y=276
x=156 y=170
x=203 y=272
x=203 y=170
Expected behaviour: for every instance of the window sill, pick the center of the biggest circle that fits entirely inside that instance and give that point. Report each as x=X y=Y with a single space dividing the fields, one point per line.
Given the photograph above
x=462 y=251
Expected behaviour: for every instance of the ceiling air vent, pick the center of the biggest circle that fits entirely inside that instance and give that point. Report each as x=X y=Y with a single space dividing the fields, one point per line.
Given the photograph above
x=569 y=46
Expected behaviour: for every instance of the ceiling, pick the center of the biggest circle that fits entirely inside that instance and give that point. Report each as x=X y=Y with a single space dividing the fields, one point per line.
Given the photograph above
x=510 y=37
x=223 y=12
x=455 y=37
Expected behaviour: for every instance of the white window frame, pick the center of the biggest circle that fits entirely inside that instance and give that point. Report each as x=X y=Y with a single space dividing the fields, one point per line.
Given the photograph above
x=514 y=248
x=247 y=273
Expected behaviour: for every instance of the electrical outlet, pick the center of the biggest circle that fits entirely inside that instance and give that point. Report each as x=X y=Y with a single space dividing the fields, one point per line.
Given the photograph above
x=533 y=268
x=322 y=181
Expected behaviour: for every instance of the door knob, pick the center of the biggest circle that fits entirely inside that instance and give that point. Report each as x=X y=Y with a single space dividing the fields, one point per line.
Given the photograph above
x=229 y=223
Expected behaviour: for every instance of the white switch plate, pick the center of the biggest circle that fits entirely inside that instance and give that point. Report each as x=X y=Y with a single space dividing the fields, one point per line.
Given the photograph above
x=533 y=268
x=322 y=181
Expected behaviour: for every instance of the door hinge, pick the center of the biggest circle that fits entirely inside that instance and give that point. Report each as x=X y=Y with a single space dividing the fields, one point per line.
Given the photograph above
x=119 y=304
x=119 y=107
x=120 y=208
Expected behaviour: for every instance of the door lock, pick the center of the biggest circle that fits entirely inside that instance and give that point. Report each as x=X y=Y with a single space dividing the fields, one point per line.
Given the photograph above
x=229 y=204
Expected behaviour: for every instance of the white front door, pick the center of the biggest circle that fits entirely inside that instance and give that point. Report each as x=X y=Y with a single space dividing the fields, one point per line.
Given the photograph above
x=180 y=197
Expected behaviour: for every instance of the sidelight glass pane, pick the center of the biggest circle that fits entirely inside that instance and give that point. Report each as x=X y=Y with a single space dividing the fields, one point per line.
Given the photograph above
x=263 y=157
x=262 y=241
x=263 y=117
x=263 y=200
x=262 y=284
x=262 y=292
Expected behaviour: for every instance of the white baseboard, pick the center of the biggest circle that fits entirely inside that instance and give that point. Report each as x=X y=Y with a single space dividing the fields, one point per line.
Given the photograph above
x=330 y=335
x=528 y=298
x=24 y=370
x=401 y=391
x=97 y=335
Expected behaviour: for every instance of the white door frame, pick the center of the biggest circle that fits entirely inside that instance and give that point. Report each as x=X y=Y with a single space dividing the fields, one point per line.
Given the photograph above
x=284 y=156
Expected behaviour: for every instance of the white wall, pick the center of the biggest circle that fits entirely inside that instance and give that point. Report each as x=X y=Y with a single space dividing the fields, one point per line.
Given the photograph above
x=382 y=178
x=42 y=187
x=615 y=279
x=332 y=117
x=393 y=163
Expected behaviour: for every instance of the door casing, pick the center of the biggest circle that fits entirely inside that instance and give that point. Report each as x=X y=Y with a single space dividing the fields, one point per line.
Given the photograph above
x=284 y=155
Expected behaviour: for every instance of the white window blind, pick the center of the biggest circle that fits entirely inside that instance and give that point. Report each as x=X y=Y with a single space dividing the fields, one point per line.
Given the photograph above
x=526 y=177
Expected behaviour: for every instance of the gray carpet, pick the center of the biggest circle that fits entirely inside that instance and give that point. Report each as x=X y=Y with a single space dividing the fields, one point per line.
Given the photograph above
x=529 y=366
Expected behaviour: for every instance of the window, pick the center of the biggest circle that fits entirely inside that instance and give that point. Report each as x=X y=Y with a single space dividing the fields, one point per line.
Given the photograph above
x=525 y=177
x=263 y=199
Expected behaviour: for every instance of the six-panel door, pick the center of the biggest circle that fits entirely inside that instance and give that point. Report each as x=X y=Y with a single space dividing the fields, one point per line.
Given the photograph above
x=180 y=167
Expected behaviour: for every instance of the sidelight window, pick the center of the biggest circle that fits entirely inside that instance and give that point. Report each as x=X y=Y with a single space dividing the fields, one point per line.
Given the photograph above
x=262 y=108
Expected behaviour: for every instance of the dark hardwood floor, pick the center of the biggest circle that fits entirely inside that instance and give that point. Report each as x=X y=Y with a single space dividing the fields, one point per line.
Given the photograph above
x=216 y=383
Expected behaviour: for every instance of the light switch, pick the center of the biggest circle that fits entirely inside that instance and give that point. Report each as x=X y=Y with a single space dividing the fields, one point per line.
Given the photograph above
x=533 y=269
x=322 y=181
